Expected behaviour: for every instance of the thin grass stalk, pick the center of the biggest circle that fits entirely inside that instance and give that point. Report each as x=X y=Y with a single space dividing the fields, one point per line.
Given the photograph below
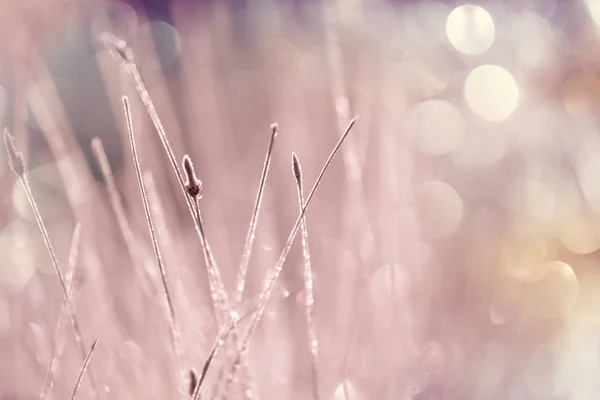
x=125 y=54
x=228 y=330
x=60 y=330
x=133 y=246
x=86 y=362
x=247 y=252
x=219 y=296
x=17 y=164
x=221 y=338
x=65 y=290
x=272 y=279
x=313 y=343
x=163 y=234
x=234 y=334
x=174 y=327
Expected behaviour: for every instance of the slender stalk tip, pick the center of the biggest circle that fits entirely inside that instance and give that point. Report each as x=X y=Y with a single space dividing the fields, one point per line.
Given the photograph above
x=271 y=280
x=15 y=157
x=96 y=142
x=274 y=128
x=243 y=269
x=297 y=170
x=308 y=284
x=118 y=47
x=193 y=185
x=125 y=101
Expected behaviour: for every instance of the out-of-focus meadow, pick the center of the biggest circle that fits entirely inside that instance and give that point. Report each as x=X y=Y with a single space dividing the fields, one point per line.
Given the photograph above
x=453 y=241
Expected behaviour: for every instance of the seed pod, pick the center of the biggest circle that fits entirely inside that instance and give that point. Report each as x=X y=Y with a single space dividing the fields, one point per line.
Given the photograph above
x=15 y=157
x=193 y=185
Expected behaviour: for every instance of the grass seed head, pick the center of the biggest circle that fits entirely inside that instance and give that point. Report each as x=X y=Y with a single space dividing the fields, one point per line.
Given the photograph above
x=193 y=382
x=297 y=170
x=15 y=157
x=193 y=185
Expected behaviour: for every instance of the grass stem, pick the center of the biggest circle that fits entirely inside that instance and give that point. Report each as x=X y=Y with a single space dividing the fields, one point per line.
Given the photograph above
x=17 y=164
x=86 y=362
x=313 y=343
x=173 y=324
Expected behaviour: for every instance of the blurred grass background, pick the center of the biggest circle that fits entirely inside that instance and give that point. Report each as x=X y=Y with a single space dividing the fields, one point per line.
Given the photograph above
x=455 y=242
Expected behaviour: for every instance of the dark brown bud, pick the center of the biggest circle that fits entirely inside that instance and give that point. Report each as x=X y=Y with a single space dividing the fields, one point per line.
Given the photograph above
x=193 y=382
x=192 y=184
x=297 y=170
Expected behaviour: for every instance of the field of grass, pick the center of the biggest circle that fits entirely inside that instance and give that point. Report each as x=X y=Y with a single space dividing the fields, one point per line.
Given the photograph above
x=161 y=237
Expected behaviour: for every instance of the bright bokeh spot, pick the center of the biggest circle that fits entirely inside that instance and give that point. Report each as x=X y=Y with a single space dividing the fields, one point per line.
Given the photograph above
x=436 y=127
x=491 y=92
x=556 y=293
x=440 y=209
x=593 y=7
x=521 y=257
x=580 y=234
x=532 y=39
x=470 y=29
x=534 y=200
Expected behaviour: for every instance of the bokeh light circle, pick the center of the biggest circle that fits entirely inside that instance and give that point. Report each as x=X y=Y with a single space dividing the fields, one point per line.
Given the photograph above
x=521 y=257
x=534 y=200
x=532 y=40
x=556 y=293
x=440 y=209
x=436 y=127
x=580 y=234
x=470 y=29
x=491 y=92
